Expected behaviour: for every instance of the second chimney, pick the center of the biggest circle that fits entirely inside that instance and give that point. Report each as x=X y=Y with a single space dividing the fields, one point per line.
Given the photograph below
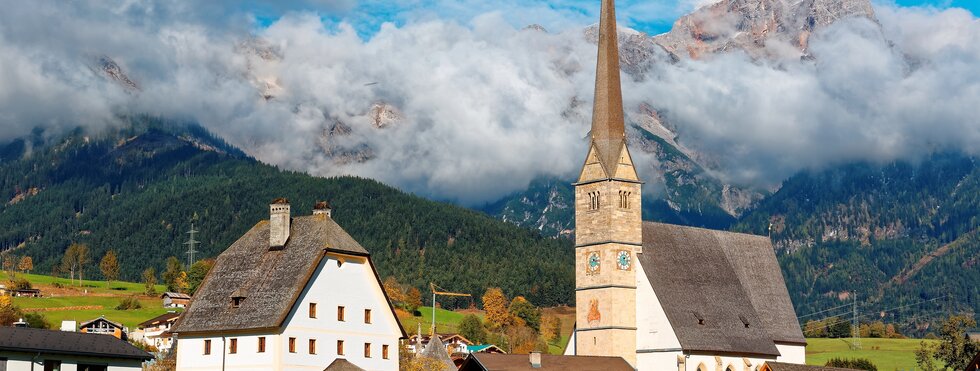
x=279 y=222
x=322 y=208
x=535 y=359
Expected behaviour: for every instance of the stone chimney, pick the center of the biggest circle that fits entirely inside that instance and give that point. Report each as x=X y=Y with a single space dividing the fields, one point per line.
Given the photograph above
x=322 y=208
x=279 y=222
x=535 y=359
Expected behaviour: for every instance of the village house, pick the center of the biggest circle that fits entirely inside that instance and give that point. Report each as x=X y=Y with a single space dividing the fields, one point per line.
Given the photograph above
x=25 y=293
x=537 y=361
x=293 y=293
x=175 y=300
x=103 y=326
x=155 y=332
x=665 y=297
x=454 y=343
x=23 y=349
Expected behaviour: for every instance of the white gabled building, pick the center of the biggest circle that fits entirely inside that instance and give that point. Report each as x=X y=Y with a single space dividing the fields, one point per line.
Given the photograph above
x=291 y=294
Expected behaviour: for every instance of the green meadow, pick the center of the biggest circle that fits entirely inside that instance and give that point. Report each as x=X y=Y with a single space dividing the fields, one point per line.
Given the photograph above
x=887 y=354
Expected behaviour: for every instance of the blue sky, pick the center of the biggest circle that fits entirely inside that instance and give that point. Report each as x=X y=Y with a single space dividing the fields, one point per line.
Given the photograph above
x=652 y=17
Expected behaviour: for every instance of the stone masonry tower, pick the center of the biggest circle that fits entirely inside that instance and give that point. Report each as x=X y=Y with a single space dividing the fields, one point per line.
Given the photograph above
x=607 y=217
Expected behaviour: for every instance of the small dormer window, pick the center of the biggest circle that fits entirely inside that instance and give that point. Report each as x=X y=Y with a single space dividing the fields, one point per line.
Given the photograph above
x=699 y=318
x=744 y=321
x=236 y=301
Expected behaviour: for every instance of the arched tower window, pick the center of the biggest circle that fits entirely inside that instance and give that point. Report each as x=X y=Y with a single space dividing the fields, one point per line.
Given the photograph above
x=702 y=367
x=594 y=200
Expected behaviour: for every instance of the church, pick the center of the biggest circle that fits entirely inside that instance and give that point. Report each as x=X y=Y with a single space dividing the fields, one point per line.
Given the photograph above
x=666 y=297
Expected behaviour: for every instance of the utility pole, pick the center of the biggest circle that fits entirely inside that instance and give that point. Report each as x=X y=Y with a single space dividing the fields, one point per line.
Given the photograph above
x=435 y=292
x=191 y=242
x=855 y=326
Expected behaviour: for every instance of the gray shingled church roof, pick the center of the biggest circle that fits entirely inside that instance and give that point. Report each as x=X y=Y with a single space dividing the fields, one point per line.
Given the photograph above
x=269 y=281
x=721 y=291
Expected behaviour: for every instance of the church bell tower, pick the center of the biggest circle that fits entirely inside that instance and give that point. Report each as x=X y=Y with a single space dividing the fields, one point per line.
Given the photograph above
x=608 y=223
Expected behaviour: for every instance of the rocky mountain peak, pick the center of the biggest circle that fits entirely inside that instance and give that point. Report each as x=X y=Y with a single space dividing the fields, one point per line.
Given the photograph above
x=110 y=70
x=761 y=28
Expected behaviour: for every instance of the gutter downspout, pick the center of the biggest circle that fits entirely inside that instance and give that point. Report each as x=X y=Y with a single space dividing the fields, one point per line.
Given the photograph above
x=33 y=359
x=224 y=348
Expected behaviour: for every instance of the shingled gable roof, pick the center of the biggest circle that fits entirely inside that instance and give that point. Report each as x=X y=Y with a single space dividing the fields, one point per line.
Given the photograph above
x=61 y=342
x=271 y=279
x=705 y=299
x=341 y=364
x=516 y=362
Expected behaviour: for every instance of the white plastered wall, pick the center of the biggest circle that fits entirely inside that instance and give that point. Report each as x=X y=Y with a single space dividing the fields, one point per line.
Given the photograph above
x=791 y=353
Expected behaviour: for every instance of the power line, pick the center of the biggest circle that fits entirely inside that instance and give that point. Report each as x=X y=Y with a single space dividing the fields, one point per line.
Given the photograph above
x=886 y=310
x=823 y=311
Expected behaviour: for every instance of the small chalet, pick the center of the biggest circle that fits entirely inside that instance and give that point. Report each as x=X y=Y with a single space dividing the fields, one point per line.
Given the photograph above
x=538 y=361
x=38 y=349
x=156 y=331
x=103 y=326
x=175 y=300
x=26 y=293
x=455 y=343
x=292 y=293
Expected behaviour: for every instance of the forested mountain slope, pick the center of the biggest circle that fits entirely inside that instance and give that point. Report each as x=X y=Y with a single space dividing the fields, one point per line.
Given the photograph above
x=895 y=234
x=138 y=189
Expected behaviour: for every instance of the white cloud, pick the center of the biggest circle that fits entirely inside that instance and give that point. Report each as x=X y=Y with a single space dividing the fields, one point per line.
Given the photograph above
x=484 y=103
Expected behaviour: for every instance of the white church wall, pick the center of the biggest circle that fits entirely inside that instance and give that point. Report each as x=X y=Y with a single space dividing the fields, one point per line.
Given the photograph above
x=791 y=353
x=653 y=330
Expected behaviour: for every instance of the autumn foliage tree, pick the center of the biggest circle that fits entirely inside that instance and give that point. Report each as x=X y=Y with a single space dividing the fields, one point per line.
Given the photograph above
x=173 y=271
x=109 y=267
x=524 y=312
x=198 y=271
x=26 y=264
x=495 y=305
x=551 y=328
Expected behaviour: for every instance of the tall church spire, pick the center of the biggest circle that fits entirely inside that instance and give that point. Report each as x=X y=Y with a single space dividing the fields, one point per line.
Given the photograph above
x=608 y=132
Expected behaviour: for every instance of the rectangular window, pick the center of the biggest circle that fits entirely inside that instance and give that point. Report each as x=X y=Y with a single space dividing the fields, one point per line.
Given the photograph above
x=232 y=346
x=207 y=347
x=292 y=345
x=367 y=350
x=52 y=365
x=262 y=344
x=340 y=314
x=367 y=316
x=312 y=346
x=312 y=310
x=384 y=351
x=340 y=347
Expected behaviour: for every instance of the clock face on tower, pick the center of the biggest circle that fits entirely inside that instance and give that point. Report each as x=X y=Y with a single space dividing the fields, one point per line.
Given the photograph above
x=623 y=260
x=592 y=262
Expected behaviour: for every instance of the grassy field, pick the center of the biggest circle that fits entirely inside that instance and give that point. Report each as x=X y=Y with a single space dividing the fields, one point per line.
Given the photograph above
x=887 y=354
x=446 y=321
x=93 y=287
x=62 y=301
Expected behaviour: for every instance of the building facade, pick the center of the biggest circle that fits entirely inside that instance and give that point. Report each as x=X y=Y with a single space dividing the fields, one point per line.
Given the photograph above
x=155 y=332
x=665 y=297
x=103 y=326
x=28 y=349
x=294 y=293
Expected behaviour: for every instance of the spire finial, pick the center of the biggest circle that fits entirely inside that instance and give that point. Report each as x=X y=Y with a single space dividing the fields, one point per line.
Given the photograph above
x=608 y=128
